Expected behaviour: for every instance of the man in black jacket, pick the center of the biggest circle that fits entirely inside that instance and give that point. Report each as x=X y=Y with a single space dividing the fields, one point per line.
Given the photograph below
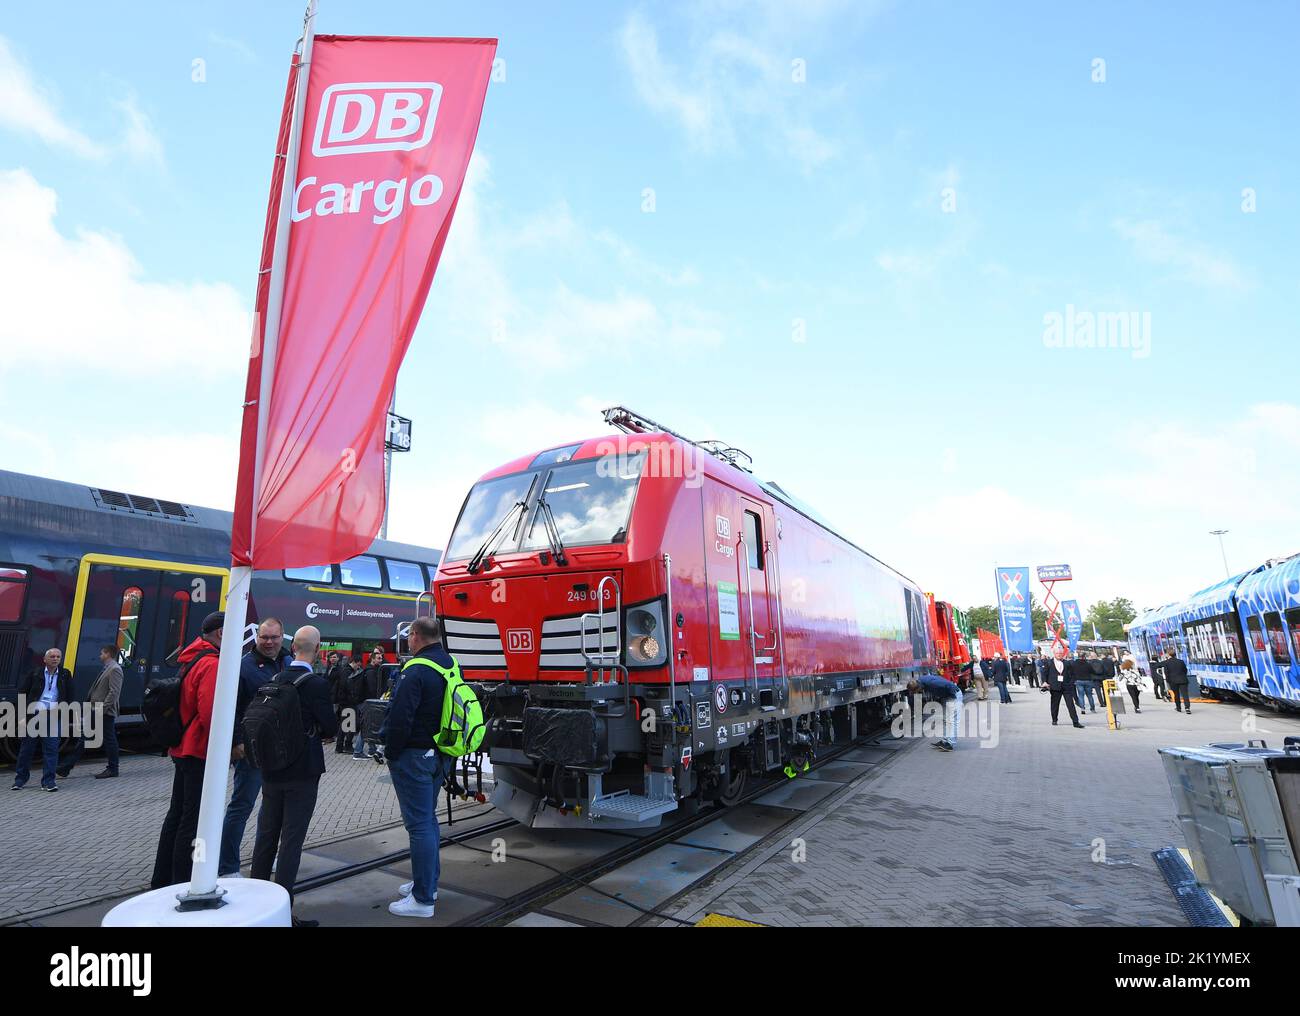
x=1177 y=679
x=1001 y=674
x=289 y=794
x=1060 y=675
x=374 y=684
x=418 y=768
x=260 y=665
x=44 y=690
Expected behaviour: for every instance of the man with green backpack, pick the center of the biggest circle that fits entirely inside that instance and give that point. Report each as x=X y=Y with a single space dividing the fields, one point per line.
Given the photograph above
x=434 y=718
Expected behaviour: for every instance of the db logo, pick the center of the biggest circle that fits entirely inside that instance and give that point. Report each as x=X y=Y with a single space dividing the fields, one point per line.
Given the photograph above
x=376 y=116
x=723 y=526
x=519 y=640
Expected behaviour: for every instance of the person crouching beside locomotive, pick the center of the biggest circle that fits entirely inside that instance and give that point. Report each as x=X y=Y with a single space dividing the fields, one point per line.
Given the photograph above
x=260 y=665
x=289 y=792
x=409 y=735
x=175 y=859
x=1059 y=676
x=942 y=690
x=105 y=692
x=45 y=689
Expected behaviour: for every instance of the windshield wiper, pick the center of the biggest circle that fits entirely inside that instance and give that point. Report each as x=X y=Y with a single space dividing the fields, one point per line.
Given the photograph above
x=494 y=537
x=552 y=532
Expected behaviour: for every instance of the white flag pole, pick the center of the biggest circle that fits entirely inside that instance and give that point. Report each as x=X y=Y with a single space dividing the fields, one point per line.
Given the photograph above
x=203 y=891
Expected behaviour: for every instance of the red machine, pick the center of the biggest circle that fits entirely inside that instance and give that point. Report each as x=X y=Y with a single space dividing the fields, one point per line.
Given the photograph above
x=648 y=623
x=951 y=651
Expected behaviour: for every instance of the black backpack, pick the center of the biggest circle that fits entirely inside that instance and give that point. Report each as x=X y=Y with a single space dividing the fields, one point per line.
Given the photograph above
x=273 y=730
x=161 y=705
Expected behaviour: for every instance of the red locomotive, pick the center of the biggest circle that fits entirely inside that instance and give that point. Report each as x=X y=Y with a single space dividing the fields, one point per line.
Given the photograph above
x=649 y=624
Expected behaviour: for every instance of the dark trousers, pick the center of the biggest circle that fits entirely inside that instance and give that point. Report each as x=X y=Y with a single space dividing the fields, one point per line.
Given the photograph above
x=1158 y=683
x=110 y=748
x=1002 y=691
x=1133 y=692
x=1064 y=692
x=342 y=740
x=175 y=855
x=49 y=760
x=1180 y=696
x=1033 y=678
x=282 y=829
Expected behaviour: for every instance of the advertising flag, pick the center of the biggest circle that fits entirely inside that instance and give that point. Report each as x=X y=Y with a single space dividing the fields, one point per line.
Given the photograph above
x=1073 y=622
x=1013 y=608
x=385 y=131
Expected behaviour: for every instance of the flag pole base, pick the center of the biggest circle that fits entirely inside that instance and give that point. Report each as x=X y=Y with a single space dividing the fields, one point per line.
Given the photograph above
x=234 y=903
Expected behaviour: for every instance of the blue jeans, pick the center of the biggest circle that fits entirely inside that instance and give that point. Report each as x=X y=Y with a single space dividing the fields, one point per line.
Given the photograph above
x=1088 y=688
x=248 y=784
x=1002 y=690
x=49 y=760
x=952 y=716
x=417 y=778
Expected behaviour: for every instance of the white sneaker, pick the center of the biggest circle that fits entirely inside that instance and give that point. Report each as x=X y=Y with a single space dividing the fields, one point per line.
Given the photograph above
x=408 y=907
x=406 y=888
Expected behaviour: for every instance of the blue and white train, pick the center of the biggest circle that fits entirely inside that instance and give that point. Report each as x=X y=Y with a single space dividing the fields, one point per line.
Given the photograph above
x=1239 y=637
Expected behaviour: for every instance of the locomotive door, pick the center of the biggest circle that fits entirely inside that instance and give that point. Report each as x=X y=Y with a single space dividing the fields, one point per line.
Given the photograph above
x=759 y=591
x=147 y=609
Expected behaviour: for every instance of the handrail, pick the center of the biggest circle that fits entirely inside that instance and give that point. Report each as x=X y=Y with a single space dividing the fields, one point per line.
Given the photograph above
x=603 y=659
x=670 y=635
x=742 y=552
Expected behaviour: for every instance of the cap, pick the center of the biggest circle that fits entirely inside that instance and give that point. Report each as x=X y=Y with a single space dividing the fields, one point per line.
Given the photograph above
x=213 y=621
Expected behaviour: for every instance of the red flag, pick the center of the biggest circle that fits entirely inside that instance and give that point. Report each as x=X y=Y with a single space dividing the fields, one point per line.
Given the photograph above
x=387 y=128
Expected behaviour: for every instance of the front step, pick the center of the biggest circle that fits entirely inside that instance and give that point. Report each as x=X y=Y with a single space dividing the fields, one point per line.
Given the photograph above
x=628 y=807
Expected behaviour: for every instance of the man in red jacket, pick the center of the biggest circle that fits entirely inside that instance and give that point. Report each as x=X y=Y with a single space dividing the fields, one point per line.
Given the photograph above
x=175 y=857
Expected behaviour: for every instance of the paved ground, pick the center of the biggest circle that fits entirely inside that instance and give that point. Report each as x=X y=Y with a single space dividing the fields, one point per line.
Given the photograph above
x=96 y=838
x=1053 y=826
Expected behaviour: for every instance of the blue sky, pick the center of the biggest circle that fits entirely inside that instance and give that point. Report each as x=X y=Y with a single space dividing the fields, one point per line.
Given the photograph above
x=834 y=237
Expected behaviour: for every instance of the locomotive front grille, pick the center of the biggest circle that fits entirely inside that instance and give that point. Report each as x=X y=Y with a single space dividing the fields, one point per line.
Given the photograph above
x=476 y=644
x=562 y=641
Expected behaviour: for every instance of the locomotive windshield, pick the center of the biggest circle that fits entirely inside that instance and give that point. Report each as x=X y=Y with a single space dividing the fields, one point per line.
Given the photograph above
x=590 y=501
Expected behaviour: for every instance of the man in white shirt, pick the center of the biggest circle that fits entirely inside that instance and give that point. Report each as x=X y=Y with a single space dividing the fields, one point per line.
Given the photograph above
x=44 y=689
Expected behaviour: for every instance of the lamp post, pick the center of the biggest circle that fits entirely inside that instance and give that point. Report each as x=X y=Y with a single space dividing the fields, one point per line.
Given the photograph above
x=1219 y=533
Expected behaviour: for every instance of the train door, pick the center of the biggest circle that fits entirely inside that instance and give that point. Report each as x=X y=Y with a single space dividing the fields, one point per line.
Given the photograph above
x=760 y=596
x=147 y=609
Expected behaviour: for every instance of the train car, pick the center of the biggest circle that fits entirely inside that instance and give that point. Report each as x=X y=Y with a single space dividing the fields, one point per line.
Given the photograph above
x=83 y=567
x=1268 y=607
x=1240 y=637
x=650 y=625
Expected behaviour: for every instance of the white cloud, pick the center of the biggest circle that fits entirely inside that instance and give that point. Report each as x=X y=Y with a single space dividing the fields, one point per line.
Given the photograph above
x=1189 y=260
x=27 y=108
x=84 y=300
x=511 y=285
x=731 y=84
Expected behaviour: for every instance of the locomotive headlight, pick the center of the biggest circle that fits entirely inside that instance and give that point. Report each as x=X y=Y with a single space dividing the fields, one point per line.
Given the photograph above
x=645 y=645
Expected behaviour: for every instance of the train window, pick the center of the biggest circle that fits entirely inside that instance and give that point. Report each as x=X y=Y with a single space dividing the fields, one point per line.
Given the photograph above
x=406 y=577
x=554 y=456
x=13 y=594
x=754 y=539
x=1277 y=638
x=315 y=573
x=1256 y=633
x=128 y=622
x=362 y=572
x=1293 y=623
x=590 y=500
x=486 y=507
x=177 y=621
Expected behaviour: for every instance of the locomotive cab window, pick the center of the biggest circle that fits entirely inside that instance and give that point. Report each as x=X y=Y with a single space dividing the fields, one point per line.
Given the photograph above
x=754 y=539
x=590 y=502
x=13 y=594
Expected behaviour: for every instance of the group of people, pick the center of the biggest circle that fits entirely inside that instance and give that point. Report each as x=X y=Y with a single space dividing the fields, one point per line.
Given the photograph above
x=45 y=689
x=289 y=794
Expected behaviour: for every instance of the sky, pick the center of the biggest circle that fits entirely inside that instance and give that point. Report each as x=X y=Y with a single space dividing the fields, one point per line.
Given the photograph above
x=864 y=241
